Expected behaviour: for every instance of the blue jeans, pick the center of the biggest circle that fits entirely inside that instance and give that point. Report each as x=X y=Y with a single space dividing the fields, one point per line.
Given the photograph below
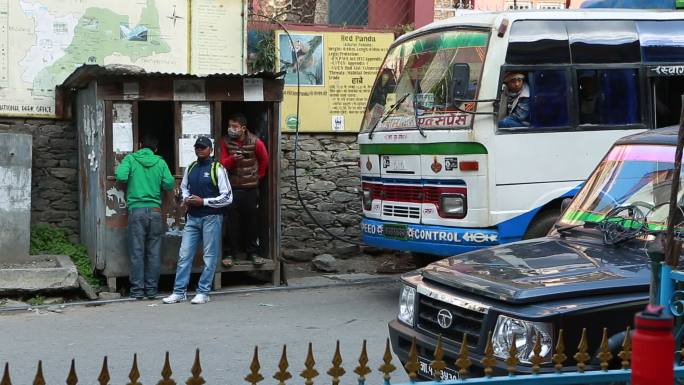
x=144 y=250
x=510 y=122
x=208 y=230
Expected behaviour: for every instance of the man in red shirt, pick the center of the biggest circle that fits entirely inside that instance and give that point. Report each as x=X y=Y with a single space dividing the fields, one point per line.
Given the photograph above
x=245 y=157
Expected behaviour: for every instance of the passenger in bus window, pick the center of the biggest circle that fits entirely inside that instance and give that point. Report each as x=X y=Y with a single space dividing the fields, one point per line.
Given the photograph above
x=588 y=98
x=514 y=110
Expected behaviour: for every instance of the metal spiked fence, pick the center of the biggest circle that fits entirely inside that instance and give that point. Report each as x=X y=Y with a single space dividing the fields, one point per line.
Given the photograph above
x=557 y=372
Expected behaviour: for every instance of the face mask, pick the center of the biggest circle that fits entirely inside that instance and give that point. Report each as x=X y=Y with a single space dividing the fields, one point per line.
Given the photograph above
x=233 y=133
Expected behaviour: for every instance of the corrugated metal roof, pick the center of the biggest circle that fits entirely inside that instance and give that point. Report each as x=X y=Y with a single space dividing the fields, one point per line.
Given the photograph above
x=87 y=72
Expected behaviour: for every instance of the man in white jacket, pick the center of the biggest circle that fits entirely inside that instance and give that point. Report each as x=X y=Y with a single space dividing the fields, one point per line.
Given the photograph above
x=205 y=190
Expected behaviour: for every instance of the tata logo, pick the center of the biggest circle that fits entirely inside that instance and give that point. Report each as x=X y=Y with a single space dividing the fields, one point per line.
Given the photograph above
x=444 y=318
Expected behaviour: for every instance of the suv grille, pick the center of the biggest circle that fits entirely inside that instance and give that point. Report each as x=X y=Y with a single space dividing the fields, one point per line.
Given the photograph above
x=464 y=321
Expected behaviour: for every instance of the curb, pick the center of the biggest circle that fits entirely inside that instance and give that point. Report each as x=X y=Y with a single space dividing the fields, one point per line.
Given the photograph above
x=335 y=281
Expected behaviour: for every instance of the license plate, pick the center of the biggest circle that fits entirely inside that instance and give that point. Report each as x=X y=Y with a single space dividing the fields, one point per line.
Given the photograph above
x=426 y=371
x=395 y=231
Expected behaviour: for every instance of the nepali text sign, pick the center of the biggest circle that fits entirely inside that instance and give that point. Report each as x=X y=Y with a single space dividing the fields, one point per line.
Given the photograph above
x=336 y=71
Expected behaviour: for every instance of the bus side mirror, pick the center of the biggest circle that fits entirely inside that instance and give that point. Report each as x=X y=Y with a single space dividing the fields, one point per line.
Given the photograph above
x=565 y=204
x=460 y=81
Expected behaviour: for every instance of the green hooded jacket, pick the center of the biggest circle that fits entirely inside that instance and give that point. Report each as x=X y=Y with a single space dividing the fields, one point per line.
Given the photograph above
x=146 y=174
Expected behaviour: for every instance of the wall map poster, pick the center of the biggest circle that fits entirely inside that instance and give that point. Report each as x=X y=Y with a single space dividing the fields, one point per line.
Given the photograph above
x=336 y=73
x=43 y=41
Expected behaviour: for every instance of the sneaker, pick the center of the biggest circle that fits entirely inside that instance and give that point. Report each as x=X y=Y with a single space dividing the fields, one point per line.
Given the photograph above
x=174 y=298
x=200 y=298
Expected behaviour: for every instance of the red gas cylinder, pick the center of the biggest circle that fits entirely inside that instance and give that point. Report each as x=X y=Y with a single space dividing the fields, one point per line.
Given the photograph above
x=653 y=348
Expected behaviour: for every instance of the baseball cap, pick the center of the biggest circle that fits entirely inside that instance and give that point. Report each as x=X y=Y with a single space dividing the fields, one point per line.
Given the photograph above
x=203 y=141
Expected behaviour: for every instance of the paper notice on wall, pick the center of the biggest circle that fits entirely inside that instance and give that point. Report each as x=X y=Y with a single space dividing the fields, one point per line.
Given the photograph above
x=122 y=137
x=186 y=151
x=253 y=90
x=122 y=112
x=195 y=118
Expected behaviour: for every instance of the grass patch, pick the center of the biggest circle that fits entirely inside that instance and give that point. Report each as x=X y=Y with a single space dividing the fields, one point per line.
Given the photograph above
x=47 y=239
x=37 y=300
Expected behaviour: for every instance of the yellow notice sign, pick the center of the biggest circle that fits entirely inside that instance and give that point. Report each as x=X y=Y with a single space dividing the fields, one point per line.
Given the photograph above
x=336 y=71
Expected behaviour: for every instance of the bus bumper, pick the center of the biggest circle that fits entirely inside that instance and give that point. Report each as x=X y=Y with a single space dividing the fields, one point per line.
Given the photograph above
x=436 y=240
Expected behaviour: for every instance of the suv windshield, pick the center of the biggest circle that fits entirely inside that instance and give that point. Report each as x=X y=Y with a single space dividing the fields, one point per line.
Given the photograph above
x=425 y=78
x=629 y=176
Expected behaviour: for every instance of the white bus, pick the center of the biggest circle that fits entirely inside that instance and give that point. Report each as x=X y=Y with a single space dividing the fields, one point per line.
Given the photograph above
x=443 y=169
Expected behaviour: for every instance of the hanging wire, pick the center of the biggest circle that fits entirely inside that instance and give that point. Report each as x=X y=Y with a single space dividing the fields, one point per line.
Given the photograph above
x=296 y=143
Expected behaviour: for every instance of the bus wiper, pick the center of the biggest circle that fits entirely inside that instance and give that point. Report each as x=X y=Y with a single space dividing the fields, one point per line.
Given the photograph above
x=415 y=116
x=387 y=114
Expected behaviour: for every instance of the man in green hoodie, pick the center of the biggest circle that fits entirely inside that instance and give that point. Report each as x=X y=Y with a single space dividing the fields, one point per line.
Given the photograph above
x=145 y=174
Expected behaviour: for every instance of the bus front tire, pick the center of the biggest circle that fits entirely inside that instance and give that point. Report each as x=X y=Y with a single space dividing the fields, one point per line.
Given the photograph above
x=541 y=224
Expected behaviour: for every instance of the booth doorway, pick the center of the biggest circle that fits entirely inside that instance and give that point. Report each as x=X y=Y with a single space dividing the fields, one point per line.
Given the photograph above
x=259 y=119
x=157 y=119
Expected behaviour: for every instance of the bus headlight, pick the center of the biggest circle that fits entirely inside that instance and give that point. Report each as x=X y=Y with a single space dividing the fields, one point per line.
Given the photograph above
x=525 y=333
x=453 y=205
x=367 y=199
x=406 y=304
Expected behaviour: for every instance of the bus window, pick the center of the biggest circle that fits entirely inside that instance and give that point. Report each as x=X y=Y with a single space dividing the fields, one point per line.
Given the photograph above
x=549 y=101
x=667 y=92
x=530 y=37
x=534 y=99
x=661 y=41
x=610 y=41
x=608 y=97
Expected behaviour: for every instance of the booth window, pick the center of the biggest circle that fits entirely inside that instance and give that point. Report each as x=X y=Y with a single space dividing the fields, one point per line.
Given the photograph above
x=546 y=104
x=608 y=97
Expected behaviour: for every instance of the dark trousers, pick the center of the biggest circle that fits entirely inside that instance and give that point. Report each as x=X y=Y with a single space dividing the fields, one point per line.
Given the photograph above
x=241 y=222
x=144 y=250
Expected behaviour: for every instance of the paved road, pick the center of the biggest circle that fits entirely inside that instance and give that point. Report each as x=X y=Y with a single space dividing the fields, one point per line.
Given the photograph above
x=225 y=330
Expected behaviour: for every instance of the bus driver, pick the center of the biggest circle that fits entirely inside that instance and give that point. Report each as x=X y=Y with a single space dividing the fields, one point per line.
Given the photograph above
x=515 y=98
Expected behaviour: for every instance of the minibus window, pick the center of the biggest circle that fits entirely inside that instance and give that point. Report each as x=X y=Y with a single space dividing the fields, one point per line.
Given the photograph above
x=608 y=96
x=531 y=37
x=661 y=41
x=549 y=99
x=606 y=41
x=541 y=101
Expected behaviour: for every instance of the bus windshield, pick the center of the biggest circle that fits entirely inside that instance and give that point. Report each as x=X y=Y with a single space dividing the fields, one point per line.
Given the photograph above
x=427 y=78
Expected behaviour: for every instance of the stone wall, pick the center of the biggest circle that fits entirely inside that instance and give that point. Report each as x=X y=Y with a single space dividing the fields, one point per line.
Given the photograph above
x=54 y=172
x=328 y=179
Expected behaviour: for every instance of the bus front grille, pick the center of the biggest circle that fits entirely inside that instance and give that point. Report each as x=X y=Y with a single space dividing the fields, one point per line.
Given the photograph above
x=399 y=211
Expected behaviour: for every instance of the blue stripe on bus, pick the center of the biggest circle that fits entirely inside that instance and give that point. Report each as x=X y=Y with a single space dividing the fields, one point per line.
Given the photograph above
x=446 y=241
x=449 y=182
x=438 y=240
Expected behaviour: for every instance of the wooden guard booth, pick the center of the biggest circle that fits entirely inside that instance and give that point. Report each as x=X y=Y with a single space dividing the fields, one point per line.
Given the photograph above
x=114 y=106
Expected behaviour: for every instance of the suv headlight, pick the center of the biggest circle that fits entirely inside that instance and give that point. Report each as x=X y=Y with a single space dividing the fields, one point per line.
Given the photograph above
x=525 y=336
x=453 y=205
x=406 y=304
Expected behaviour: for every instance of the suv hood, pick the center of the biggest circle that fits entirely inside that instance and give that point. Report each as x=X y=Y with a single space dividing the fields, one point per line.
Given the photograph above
x=543 y=269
